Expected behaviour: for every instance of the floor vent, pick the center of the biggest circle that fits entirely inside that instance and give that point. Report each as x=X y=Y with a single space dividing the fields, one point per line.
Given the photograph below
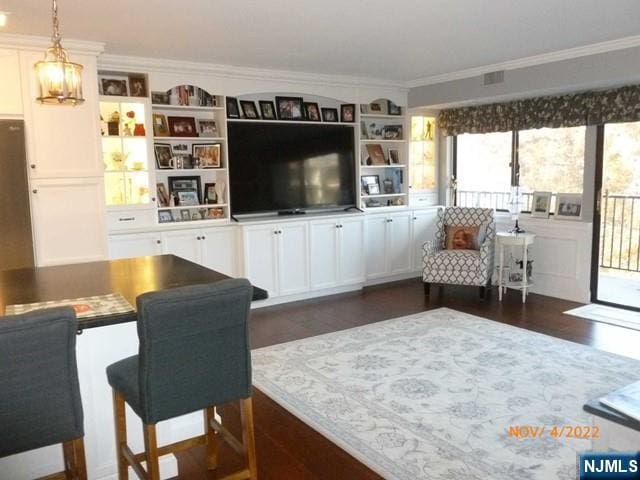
x=492 y=78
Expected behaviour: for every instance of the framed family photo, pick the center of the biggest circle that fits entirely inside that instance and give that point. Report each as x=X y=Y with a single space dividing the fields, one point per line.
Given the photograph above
x=249 y=109
x=207 y=128
x=348 y=112
x=182 y=126
x=312 y=111
x=267 y=109
x=164 y=155
x=160 y=126
x=568 y=206
x=207 y=153
x=541 y=204
x=329 y=114
x=290 y=108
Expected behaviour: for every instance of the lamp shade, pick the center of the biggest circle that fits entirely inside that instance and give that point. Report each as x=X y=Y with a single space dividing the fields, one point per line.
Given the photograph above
x=59 y=81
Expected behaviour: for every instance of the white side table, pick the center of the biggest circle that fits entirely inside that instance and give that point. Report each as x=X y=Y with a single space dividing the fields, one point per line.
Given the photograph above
x=522 y=240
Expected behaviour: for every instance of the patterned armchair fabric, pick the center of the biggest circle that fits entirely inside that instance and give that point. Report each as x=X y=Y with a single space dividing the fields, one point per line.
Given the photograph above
x=460 y=267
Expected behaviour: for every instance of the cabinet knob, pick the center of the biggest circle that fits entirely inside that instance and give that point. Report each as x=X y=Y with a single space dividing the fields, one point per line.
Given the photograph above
x=33 y=166
x=198 y=238
x=203 y=238
x=153 y=199
x=35 y=190
x=415 y=218
x=158 y=242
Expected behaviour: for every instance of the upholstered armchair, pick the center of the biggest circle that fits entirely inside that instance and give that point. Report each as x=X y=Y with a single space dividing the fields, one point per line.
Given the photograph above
x=460 y=266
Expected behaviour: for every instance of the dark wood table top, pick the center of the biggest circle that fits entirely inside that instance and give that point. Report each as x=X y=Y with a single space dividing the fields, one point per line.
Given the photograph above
x=596 y=408
x=129 y=277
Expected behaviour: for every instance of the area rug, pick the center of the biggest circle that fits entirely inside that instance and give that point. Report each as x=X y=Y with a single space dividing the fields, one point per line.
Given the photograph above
x=432 y=395
x=606 y=314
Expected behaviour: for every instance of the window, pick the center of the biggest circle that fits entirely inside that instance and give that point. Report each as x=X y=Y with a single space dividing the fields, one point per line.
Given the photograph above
x=546 y=159
x=483 y=170
x=422 y=154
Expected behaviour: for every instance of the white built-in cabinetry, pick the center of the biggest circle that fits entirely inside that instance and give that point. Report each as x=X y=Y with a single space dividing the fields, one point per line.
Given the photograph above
x=424 y=228
x=10 y=85
x=389 y=244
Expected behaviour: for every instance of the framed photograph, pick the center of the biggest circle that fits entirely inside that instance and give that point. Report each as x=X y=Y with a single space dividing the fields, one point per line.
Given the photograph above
x=185 y=216
x=376 y=154
x=182 y=126
x=568 y=206
x=207 y=128
x=541 y=204
x=160 y=98
x=267 y=110
x=329 y=114
x=392 y=132
x=188 y=198
x=208 y=154
x=210 y=195
x=190 y=185
x=162 y=194
x=160 y=126
x=348 y=112
x=164 y=216
x=114 y=86
x=394 y=156
x=290 y=108
x=164 y=155
x=393 y=109
x=370 y=184
x=233 y=111
x=376 y=108
x=249 y=109
x=138 y=85
x=364 y=134
x=312 y=111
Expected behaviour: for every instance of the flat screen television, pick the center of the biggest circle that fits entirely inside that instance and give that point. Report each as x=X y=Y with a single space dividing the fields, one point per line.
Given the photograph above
x=279 y=167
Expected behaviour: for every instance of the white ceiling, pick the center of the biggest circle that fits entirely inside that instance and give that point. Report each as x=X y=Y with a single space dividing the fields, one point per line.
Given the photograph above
x=400 y=40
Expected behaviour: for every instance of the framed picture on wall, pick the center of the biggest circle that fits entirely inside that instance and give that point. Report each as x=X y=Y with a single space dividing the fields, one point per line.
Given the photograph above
x=541 y=204
x=348 y=112
x=329 y=114
x=290 y=108
x=312 y=111
x=267 y=109
x=249 y=109
x=568 y=206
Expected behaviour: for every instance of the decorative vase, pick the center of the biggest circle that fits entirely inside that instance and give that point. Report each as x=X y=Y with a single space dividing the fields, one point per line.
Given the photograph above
x=138 y=130
x=220 y=187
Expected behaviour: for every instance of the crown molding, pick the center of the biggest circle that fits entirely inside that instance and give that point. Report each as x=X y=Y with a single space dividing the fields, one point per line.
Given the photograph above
x=32 y=42
x=557 y=56
x=121 y=62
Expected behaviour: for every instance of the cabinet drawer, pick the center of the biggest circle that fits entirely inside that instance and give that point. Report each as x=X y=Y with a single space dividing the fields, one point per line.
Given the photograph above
x=123 y=219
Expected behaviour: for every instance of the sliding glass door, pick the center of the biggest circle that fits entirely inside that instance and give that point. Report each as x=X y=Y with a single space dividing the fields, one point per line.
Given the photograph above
x=616 y=254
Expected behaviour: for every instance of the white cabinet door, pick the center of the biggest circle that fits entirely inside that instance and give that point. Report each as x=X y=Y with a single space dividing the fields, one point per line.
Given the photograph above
x=376 y=246
x=399 y=246
x=10 y=88
x=352 y=250
x=324 y=253
x=182 y=243
x=218 y=247
x=68 y=220
x=424 y=229
x=293 y=258
x=260 y=257
x=63 y=142
x=135 y=245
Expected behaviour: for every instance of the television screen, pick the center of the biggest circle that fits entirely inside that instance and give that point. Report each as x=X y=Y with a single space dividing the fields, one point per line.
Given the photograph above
x=276 y=167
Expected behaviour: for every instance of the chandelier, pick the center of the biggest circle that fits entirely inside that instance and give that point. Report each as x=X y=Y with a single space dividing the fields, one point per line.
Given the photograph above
x=59 y=80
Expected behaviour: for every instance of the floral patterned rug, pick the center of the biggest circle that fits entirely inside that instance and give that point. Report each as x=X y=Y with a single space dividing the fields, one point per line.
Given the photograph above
x=432 y=395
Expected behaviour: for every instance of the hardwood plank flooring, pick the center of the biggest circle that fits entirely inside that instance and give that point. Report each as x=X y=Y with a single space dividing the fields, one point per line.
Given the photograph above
x=289 y=449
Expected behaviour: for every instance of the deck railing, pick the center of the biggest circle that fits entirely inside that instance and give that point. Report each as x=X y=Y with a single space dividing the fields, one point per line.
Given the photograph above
x=620 y=232
x=496 y=200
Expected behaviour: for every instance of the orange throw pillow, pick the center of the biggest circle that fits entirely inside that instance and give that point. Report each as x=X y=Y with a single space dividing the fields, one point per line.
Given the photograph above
x=461 y=238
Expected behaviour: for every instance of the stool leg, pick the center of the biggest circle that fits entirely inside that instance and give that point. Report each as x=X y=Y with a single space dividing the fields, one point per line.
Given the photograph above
x=151 y=450
x=212 y=439
x=121 y=434
x=248 y=437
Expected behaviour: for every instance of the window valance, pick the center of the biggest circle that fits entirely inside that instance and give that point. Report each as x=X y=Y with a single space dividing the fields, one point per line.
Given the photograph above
x=585 y=108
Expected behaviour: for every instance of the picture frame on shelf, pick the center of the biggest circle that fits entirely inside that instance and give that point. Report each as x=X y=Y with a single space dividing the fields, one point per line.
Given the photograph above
x=208 y=154
x=377 y=108
x=541 y=204
x=393 y=109
x=392 y=132
x=387 y=186
x=188 y=198
x=290 y=108
x=185 y=216
x=114 y=86
x=233 y=111
x=568 y=206
x=138 y=85
x=207 y=128
x=160 y=98
x=329 y=114
x=164 y=155
x=364 y=133
x=370 y=184
x=160 y=125
x=162 y=194
x=190 y=184
x=267 y=110
x=393 y=156
x=210 y=195
x=348 y=112
x=215 y=213
x=182 y=126
x=249 y=110
x=164 y=216
x=312 y=111
x=376 y=154
x=364 y=109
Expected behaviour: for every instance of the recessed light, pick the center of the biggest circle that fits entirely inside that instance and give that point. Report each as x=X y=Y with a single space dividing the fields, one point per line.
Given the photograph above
x=3 y=18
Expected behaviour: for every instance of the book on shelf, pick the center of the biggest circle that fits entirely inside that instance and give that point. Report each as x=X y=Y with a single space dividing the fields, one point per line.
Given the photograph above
x=625 y=400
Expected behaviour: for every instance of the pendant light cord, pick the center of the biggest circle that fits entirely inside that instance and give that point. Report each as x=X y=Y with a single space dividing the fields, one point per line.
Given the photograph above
x=55 y=38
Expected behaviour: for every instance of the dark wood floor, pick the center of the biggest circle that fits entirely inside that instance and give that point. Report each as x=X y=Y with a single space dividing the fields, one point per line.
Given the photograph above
x=288 y=449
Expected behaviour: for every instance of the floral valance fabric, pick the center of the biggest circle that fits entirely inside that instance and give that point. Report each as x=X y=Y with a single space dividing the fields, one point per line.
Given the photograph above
x=586 y=108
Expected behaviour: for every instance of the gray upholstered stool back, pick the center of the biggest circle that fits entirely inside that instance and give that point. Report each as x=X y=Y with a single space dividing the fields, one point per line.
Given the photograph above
x=194 y=348
x=39 y=392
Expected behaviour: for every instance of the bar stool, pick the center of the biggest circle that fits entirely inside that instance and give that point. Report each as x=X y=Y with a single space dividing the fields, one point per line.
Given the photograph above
x=40 y=401
x=194 y=354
